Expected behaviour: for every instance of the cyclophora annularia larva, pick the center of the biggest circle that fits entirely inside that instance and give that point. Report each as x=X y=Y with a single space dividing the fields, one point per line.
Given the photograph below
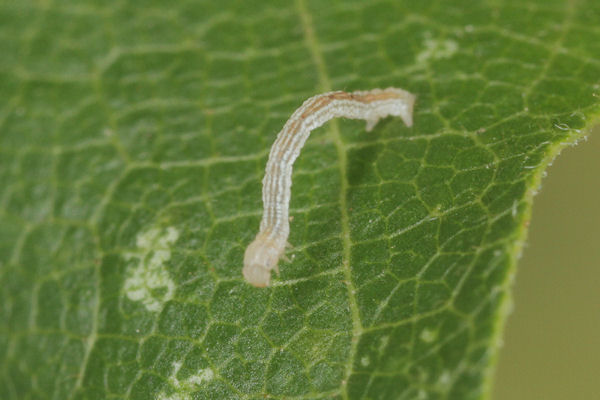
x=262 y=255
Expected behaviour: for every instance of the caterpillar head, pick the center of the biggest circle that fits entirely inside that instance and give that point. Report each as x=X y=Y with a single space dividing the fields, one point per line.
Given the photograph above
x=261 y=256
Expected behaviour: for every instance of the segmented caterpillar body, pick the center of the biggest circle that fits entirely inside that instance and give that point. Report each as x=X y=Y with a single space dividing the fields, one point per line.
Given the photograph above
x=262 y=255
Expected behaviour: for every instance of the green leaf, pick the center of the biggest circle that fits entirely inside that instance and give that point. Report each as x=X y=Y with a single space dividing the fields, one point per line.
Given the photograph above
x=133 y=139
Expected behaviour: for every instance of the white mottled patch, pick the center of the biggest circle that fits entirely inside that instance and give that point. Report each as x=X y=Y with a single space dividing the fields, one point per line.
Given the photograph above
x=434 y=49
x=365 y=361
x=445 y=380
x=383 y=342
x=428 y=335
x=147 y=280
x=204 y=375
x=185 y=387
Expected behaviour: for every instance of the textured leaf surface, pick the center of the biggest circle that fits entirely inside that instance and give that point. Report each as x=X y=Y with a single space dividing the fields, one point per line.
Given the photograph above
x=133 y=138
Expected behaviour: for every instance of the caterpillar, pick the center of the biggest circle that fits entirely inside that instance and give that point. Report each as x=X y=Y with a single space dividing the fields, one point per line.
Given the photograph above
x=263 y=254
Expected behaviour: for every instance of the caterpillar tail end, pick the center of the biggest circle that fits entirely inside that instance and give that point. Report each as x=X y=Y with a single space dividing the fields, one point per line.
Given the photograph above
x=403 y=106
x=371 y=124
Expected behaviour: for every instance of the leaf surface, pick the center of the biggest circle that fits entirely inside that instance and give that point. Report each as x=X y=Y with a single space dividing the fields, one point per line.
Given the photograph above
x=133 y=139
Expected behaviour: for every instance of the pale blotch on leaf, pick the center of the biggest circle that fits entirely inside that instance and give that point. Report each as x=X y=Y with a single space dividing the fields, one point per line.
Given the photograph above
x=445 y=380
x=428 y=335
x=183 y=388
x=434 y=49
x=365 y=361
x=383 y=343
x=147 y=280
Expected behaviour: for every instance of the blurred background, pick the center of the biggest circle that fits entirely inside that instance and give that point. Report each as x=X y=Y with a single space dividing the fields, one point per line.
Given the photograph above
x=552 y=339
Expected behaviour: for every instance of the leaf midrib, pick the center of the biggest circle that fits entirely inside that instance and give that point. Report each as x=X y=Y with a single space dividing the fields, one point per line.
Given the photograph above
x=333 y=132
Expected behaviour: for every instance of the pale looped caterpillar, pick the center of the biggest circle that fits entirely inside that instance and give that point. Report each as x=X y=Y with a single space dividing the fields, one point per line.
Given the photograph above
x=263 y=254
